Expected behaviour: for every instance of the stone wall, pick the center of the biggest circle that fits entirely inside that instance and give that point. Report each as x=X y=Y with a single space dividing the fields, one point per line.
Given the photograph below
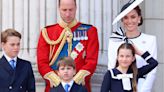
x=29 y=16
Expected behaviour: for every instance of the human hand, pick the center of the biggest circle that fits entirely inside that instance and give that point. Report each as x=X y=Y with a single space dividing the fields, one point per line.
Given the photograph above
x=137 y=51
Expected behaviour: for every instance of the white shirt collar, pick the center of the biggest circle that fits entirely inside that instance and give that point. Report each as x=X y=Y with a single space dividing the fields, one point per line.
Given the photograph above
x=8 y=58
x=125 y=78
x=70 y=84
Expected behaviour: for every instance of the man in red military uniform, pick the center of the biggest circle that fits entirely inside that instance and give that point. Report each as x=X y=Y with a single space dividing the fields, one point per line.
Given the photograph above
x=68 y=38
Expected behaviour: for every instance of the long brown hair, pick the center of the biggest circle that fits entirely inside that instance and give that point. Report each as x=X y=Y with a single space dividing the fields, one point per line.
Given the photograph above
x=133 y=66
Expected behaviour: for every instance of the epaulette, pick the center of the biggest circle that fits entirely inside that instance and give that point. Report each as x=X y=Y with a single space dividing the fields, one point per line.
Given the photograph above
x=84 y=26
x=87 y=24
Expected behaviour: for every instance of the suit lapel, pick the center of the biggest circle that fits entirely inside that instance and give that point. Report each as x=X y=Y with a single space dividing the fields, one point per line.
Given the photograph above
x=19 y=69
x=4 y=63
x=19 y=65
x=74 y=88
x=61 y=89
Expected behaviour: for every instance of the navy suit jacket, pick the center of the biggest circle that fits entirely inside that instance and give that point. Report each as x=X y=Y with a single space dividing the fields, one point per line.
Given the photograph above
x=19 y=80
x=75 y=88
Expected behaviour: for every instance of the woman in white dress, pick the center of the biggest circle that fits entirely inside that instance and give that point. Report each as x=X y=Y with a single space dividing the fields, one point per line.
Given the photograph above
x=131 y=22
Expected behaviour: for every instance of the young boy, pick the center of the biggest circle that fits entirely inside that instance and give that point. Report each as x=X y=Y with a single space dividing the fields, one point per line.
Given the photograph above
x=66 y=71
x=16 y=75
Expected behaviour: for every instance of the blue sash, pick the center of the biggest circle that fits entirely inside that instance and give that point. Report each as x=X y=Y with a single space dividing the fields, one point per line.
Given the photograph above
x=78 y=33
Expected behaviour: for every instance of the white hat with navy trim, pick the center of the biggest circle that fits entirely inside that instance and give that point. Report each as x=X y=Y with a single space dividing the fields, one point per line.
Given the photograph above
x=126 y=9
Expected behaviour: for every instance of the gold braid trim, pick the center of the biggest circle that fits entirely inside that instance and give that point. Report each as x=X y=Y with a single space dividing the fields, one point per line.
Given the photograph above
x=51 y=42
x=79 y=78
x=52 y=48
x=64 y=25
x=53 y=78
x=58 y=51
x=66 y=35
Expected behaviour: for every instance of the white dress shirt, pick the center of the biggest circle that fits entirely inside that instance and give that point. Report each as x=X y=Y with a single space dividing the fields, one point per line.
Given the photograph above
x=70 y=84
x=9 y=59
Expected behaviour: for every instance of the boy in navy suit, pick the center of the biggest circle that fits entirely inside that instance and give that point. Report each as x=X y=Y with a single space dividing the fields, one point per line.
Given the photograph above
x=66 y=71
x=16 y=75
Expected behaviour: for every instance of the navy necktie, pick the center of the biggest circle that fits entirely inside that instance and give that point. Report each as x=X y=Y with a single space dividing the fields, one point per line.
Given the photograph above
x=12 y=63
x=66 y=87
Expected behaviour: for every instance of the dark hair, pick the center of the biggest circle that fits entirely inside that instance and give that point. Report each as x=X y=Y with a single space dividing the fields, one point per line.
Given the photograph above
x=137 y=9
x=133 y=66
x=74 y=1
x=9 y=32
x=66 y=61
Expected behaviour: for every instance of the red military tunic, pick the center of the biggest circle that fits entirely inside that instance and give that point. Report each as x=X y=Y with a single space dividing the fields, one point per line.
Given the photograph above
x=85 y=57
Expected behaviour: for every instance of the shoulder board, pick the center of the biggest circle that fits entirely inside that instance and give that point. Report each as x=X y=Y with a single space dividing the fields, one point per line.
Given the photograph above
x=84 y=27
x=86 y=24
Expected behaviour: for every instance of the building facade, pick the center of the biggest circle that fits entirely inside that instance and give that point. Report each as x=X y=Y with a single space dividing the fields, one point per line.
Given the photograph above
x=30 y=16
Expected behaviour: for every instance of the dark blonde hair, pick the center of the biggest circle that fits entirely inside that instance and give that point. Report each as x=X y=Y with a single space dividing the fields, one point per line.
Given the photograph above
x=133 y=66
x=66 y=61
x=9 y=32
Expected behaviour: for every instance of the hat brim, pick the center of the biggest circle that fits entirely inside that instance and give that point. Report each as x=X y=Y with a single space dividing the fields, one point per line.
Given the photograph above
x=126 y=11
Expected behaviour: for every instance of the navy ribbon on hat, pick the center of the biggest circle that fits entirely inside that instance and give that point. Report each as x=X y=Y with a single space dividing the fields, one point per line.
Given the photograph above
x=126 y=9
x=127 y=5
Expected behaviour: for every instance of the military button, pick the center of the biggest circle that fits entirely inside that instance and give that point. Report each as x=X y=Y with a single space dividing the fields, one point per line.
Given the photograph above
x=10 y=87
x=20 y=86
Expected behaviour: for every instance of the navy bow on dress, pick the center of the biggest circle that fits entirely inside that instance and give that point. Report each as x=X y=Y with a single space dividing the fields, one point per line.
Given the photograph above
x=119 y=35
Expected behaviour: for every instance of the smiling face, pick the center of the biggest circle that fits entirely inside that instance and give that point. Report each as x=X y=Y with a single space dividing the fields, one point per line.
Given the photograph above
x=125 y=58
x=12 y=46
x=67 y=9
x=131 y=21
x=66 y=73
